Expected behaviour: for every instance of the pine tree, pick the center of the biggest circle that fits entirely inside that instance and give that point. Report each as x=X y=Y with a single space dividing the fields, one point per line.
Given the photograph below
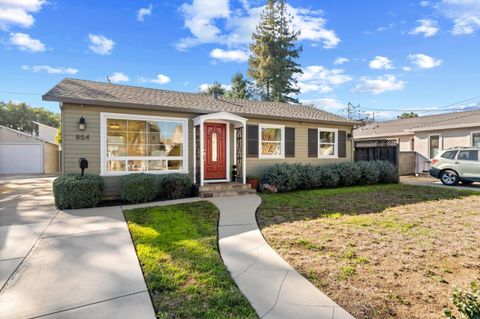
x=272 y=63
x=214 y=89
x=240 y=87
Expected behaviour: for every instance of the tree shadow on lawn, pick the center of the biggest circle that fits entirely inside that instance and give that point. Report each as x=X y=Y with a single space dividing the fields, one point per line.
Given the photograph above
x=311 y=204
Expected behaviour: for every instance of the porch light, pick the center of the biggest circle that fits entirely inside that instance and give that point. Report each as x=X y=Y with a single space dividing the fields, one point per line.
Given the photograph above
x=82 y=125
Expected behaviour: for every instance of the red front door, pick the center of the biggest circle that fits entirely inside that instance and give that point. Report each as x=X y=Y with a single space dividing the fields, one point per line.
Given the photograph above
x=215 y=151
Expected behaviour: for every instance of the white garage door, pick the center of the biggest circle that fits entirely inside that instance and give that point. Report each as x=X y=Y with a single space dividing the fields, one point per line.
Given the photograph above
x=21 y=158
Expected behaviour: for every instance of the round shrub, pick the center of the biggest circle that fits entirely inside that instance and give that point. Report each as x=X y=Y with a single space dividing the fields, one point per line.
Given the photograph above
x=369 y=172
x=388 y=173
x=348 y=173
x=138 y=187
x=177 y=186
x=284 y=177
x=326 y=176
x=308 y=179
x=75 y=191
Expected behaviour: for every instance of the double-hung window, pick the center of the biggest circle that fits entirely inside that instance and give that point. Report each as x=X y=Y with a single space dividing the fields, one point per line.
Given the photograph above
x=327 y=143
x=476 y=139
x=136 y=143
x=433 y=145
x=271 y=141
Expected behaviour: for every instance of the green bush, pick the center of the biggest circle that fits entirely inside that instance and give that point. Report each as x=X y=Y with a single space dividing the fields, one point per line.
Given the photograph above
x=177 y=186
x=467 y=302
x=284 y=177
x=138 y=188
x=369 y=172
x=76 y=191
x=348 y=173
x=326 y=177
x=387 y=173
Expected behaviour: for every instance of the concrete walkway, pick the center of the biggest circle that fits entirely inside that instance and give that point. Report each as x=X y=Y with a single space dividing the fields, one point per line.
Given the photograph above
x=272 y=286
x=433 y=182
x=65 y=264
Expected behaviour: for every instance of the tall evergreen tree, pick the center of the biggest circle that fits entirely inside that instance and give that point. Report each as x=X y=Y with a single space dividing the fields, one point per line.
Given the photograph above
x=215 y=88
x=240 y=87
x=274 y=50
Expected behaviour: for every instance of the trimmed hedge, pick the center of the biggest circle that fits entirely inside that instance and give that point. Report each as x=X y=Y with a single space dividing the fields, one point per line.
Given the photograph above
x=75 y=191
x=177 y=186
x=288 y=177
x=138 y=188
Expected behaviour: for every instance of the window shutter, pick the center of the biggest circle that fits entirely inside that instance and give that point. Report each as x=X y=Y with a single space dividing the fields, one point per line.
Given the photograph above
x=252 y=140
x=312 y=142
x=289 y=142
x=342 y=144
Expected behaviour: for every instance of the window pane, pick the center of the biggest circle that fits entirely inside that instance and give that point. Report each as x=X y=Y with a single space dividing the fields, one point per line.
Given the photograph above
x=137 y=166
x=115 y=166
x=174 y=150
x=136 y=150
x=175 y=165
x=449 y=154
x=157 y=165
x=468 y=155
x=214 y=147
x=116 y=150
x=327 y=137
x=137 y=126
x=114 y=125
x=156 y=150
x=476 y=140
x=434 y=145
x=271 y=148
x=118 y=137
x=271 y=134
x=327 y=150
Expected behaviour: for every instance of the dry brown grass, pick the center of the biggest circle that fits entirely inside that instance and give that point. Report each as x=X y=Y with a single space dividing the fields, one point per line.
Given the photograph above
x=391 y=251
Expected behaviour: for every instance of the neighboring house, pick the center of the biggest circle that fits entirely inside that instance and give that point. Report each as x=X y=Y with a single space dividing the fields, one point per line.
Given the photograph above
x=23 y=153
x=133 y=129
x=427 y=135
x=46 y=133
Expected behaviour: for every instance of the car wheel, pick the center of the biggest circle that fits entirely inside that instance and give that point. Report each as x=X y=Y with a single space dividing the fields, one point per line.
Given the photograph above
x=449 y=178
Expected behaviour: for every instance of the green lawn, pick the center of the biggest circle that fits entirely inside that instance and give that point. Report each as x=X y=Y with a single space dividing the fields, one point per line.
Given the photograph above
x=178 y=252
x=380 y=251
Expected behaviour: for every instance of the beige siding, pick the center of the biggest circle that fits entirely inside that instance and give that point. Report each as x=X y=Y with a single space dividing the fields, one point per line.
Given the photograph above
x=448 y=139
x=405 y=143
x=50 y=158
x=73 y=148
x=257 y=166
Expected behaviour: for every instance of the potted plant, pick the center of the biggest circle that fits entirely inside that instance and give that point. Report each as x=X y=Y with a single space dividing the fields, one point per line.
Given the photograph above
x=253 y=181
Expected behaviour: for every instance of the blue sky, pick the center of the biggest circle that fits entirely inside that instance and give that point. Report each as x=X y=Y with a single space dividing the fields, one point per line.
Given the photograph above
x=383 y=55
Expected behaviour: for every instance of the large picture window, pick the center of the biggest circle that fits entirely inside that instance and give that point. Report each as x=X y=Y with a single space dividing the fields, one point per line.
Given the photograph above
x=133 y=143
x=327 y=143
x=271 y=141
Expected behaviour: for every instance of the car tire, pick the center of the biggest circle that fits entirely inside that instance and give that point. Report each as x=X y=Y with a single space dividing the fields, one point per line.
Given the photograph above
x=449 y=178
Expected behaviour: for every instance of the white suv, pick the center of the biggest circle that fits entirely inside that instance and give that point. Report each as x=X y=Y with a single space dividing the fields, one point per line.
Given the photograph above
x=457 y=165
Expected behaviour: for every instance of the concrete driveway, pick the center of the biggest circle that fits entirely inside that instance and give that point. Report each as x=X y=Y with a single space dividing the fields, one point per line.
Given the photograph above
x=65 y=264
x=430 y=181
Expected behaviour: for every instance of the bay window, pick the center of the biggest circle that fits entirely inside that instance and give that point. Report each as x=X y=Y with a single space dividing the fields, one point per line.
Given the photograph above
x=271 y=141
x=327 y=143
x=134 y=143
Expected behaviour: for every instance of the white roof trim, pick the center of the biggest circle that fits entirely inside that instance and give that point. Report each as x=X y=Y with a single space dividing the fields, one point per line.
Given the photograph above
x=219 y=116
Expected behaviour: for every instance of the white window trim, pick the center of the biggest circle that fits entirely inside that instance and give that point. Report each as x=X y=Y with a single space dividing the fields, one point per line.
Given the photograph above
x=440 y=144
x=471 y=137
x=282 y=142
x=335 y=145
x=121 y=116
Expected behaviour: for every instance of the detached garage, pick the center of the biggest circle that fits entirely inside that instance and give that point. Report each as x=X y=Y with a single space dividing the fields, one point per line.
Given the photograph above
x=22 y=153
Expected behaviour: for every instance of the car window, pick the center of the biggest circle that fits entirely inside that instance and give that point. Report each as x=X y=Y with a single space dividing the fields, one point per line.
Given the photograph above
x=468 y=155
x=449 y=154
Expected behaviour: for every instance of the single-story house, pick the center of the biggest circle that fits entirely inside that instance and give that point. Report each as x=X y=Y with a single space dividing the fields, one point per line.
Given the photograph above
x=124 y=129
x=23 y=153
x=427 y=135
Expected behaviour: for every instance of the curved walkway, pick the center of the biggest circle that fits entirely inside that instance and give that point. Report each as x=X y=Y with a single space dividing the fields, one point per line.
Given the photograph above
x=272 y=286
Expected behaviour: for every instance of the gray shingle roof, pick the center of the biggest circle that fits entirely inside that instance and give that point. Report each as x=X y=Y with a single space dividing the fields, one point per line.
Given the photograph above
x=421 y=123
x=99 y=93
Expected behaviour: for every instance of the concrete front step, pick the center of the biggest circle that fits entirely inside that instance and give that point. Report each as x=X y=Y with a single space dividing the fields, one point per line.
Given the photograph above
x=224 y=187
x=226 y=193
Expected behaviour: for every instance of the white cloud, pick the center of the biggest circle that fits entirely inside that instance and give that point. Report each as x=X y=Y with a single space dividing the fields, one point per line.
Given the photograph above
x=215 y=22
x=50 y=69
x=26 y=43
x=143 y=12
x=426 y=27
x=379 y=85
x=340 y=61
x=424 y=61
x=407 y=69
x=161 y=79
x=18 y=13
x=381 y=63
x=465 y=15
x=118 y=77
x=424 y=4
x=229 y=55
x=100 y=44
x=317 y=78
x=205 y=86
